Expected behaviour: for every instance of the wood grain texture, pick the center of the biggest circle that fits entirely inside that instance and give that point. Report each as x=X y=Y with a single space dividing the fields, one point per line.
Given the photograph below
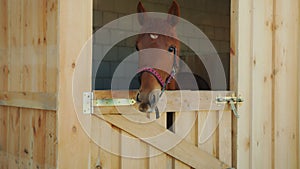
x=184 y=151
x=241 y=79
x=261 y=65
x=285 y=84
x=184 y=101
x=32 y=100
x=71 y=40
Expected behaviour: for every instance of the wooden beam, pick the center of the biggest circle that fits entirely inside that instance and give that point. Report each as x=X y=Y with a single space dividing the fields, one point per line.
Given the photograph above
x=32 y=100
x=75 y=29
x=181 y=100
x=184 y=151
x=240 y=67
x=285 y=84
x=298 y=84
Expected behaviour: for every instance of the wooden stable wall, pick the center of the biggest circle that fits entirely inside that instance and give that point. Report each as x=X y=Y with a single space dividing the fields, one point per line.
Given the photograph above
x=265 y=61
x=28 y=78
x=41 y=39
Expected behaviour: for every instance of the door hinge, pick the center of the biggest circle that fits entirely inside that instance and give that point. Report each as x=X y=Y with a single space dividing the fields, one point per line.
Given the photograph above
x=89 y=102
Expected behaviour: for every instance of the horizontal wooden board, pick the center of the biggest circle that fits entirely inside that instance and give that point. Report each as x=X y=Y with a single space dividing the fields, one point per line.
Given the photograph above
x=180 y=100
x=32 y=100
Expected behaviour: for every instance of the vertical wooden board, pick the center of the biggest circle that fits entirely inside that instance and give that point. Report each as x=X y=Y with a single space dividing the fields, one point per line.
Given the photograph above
x=51 y=140
x=241 y=80
x=208 y=132
x=158 y=159
x=106 y=145
x=95 y=156
x=3 y=138
x=225 y=138
x=4 y=44
x=261 y=123
x=116 y=147
x=34 y=42
x=4 y=83
x=285 y=83
x=186 y=127
x=75 y=28
x=298 y=86
x=3 y=25
x=26 y=138
x=134 y=158
x=52 y=45
x=39 y=139
x=15 y=28
x=13 y=137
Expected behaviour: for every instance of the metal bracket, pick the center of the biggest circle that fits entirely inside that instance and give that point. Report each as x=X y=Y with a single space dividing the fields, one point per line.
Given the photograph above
x=88 y=107
x=232 y=101
x=89 y=102
x=114 y=102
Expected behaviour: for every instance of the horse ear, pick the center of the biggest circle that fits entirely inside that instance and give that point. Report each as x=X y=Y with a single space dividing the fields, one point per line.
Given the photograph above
x=141 y=15
x=174 y=10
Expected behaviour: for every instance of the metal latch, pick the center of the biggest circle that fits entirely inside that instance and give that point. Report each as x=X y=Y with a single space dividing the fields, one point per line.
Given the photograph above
x=89 y=102
x=232 y=101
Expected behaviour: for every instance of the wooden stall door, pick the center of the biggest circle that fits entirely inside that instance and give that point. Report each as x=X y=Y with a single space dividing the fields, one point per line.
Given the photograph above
x=114 y=133
x=264 y=70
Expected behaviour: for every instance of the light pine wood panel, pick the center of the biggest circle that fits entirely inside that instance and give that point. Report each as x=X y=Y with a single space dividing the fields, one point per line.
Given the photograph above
x=31 y=100
x=157 y=158
x=241 y=79
x=285 y=84
x=261 y=65
x=75 y=28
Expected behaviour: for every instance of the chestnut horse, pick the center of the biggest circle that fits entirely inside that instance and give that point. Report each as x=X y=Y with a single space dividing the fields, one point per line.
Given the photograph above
x=158 y=49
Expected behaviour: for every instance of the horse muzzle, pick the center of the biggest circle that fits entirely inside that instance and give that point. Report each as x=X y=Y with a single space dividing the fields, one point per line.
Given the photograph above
x=148 y=101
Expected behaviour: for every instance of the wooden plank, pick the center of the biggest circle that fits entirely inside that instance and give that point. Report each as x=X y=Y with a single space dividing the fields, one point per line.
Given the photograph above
x=136 y=157
x=105 y=149
x=51 y=42
x=185 y=101
x=3 y=138
x=187 y=153
x=51 y=140
x=39 y=139
x=261 y=62
x=26 y=135
x=15 y=62
x=286 y=16
x=298 y=87
x=208 y=132
x=158 y=159
x=32 y=100
x=70 y=131
x=240 y=57
x=4 y=45
x=225 y=138
x=13 y=137
x=52 y=46
x=186 y=126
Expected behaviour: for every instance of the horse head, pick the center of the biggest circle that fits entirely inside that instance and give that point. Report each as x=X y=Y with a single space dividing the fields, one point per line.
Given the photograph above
x=158 y=58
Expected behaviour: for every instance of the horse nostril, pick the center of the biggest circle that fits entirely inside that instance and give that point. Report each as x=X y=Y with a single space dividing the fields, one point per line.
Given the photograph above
x=154 y=97
x=138 y=97
x=143 y=107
